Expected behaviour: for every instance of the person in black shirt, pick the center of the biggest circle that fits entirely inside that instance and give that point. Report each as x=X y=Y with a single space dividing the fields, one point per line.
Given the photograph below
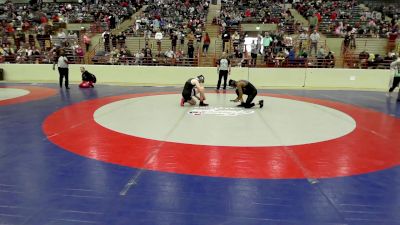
x=190 y=90
x=226 y=37
x=174 y=39
x=88 y=79
x=106 y=38
x=121 y=39
x=244 y=87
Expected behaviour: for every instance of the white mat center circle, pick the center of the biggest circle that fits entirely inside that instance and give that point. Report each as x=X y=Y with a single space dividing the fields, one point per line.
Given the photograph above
x=282 y=122
x=10 y=93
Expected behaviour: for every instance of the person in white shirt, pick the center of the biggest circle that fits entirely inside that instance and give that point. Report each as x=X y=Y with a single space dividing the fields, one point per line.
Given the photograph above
x=224 y=69
x=314 y=38
x=62 y=64
x=303 y=37
x=158 y=36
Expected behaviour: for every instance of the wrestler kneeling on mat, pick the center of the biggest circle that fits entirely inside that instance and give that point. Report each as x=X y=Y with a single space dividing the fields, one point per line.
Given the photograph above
x=244 y=87
x=192 y=87
x=88 y=79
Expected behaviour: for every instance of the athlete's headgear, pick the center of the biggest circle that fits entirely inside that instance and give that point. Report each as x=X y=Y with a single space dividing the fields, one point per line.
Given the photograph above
x=232 y=83
x=201 y=78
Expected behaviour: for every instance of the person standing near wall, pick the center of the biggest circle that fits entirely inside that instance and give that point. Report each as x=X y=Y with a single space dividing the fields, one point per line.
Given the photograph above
x=224 y=69
x=395 y=65
x=62 y=64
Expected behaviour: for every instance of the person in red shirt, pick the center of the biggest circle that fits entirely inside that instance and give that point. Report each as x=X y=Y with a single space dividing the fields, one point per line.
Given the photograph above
x=333 y=16
x=247 y=13
x=55 y=18
x=43 y=19
x=206 y=43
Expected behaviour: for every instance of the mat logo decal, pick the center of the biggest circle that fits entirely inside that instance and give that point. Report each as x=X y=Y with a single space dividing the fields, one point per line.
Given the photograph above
x=220 y=111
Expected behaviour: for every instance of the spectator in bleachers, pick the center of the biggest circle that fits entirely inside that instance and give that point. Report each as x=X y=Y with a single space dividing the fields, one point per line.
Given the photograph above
x=235 y=39
x=106 y=39
x=79 y=53
x=170 y=54
x=114 y=40
x=22 y=55
x=148 y=55
x=314 y=39
x=125 y=56
x=158 y=37
x=114 y=56
x=174 y=40
x=254 y=51
x=288 y=42
x=313 y=21
x=266 y=42
x=378 y=62
x=190 y=39
x=363 y=57
x=371 y=60
x=320 y=55
x=206 y=43
x=139 y=57
x=346 y=42
x=121 y=38
x=302 y=39
x=147 y=33
x=237 y=53
x=226 y=37
x=330 y=60
x=87 y=41
x=198 y=35
x=292 y=57
x=190 y=50
x=181 y=38
x=31 y=39
x=8 y=50
x=259 y=43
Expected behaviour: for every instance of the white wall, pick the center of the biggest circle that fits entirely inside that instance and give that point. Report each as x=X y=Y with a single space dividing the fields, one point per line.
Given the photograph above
x=176 y=76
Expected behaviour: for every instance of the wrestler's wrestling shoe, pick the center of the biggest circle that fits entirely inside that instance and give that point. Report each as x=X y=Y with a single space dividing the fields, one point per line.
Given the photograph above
x=182 y=101
x=203 y=104
x=261 y=102
x=241 y=105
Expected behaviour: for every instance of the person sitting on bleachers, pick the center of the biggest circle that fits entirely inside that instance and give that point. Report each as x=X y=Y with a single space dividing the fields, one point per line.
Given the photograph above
x=114 y=59
x=139 y=57
x=169 y=54
x=363 y=57
x=330 y=60
x=371 y=60
x=320 y=55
